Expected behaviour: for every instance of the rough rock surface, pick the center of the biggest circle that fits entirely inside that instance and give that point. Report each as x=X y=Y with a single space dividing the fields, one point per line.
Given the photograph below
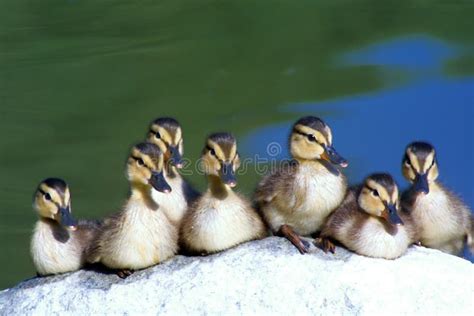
x=263 y=277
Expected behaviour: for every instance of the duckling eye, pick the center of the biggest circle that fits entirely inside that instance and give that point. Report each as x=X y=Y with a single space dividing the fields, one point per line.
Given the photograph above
x=213 y=152
x=157 y=135
x=311 y=138
x=375 y=193
x=407 y=163
x=47 y=197
x=140 y=162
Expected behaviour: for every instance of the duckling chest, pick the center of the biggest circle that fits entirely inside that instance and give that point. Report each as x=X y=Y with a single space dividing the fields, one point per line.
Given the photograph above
x=220 y=224
x=144 y=229
x=374 y=241
x=173 y=204
x=435 y=218
x=55 y=251
x=317 y=191
x=145 y=237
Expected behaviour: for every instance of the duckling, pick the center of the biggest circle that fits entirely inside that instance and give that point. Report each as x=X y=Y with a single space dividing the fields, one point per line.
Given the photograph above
x=220 y=218
x=166 y=133
x=141 y=235
x=443 y=220
x=369 y=221
x=297 y=198
x=59 y=241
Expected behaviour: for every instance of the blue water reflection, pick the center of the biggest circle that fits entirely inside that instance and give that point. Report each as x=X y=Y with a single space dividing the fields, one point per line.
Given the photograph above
x=418 y=53
x=372 y=129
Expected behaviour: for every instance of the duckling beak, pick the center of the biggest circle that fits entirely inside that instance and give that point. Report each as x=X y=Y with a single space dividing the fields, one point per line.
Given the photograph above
x=158 y=182
x=176 y=158
x=66 y=218
x=228 y=175
x=421 y=184
x=330 y=154
x=391 y=215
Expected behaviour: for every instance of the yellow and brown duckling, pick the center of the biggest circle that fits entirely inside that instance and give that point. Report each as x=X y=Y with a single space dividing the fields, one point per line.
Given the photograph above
x=220 y=218
x=167 y=134
x=297 y=198
x=59 y=241
x=443 y=221
x=141 y=235
x=369 y=221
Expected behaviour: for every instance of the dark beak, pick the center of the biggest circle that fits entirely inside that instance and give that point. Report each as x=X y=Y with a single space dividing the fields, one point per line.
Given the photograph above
x=66 y=218
x=333 y=157
x=393 y=217
x=176 y=158
x=228 y=175
x=158 y=182
x=421 y=184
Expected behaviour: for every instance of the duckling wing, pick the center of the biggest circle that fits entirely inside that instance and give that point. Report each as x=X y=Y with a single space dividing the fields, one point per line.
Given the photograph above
x=87 y=229
x=91 y=224
x=102 y=232
x=86 y=232
x=459 y=211
x=344 y=214
x=277 y=182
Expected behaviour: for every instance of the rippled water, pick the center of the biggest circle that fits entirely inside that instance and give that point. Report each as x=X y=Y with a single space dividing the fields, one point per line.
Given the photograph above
x=80 y=80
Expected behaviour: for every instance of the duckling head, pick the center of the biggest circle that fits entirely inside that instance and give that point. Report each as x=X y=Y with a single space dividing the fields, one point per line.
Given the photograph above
x=145 y=166
x=52 y=200
x=420 y=166
x=166 y=133
x=220 y=158
x=311 y=139
x=379 y=197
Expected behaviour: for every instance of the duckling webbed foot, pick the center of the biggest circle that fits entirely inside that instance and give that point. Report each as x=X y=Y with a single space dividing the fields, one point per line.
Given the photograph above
x=287 y=232
x=325 y=245
x=125 y=273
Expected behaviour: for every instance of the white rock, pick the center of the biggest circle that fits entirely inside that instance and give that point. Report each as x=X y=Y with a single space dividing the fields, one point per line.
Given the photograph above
x=263 y=277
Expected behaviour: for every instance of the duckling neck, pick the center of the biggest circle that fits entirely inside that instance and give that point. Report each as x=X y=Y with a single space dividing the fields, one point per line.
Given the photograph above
x=217 y=188
x=60 y=233
x=389 y=227
x=171 y=171
x=310 y=162
x=141 y=193
x=433 y=186
x=319 y=165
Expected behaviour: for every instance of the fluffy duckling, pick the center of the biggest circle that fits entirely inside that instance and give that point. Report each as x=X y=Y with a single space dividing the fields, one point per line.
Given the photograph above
x=59 y=241
x=220 y=218
x=297 y=198
x=442 y=219
x=369 y=221
x=141 y=235
x=166 y=133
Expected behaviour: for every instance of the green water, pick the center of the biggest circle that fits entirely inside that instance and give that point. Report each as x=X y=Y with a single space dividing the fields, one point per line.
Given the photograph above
x=80 y=80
